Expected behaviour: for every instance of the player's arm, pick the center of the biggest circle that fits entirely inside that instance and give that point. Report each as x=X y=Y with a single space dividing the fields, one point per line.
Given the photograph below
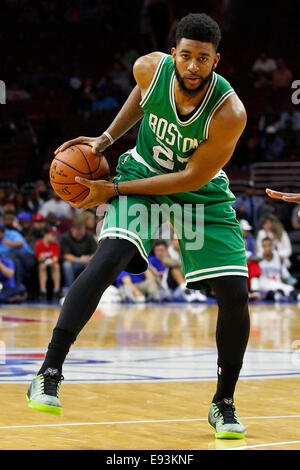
x=131 y=111
x=226 y=127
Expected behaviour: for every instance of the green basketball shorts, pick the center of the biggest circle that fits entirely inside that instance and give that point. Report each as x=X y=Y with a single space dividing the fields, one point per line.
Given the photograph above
x=209 y=235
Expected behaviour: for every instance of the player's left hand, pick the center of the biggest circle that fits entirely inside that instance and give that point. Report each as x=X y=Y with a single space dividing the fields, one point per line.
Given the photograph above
x=288 y=197
x=100 y=192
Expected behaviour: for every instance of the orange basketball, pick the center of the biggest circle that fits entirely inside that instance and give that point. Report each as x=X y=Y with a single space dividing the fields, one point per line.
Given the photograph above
x=77 y=160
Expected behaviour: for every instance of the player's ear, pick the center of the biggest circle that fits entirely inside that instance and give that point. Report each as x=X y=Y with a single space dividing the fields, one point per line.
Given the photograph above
x=216 y=60
x=173 y=53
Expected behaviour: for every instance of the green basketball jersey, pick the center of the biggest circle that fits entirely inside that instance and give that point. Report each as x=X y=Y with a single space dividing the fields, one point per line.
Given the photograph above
x=164 y=142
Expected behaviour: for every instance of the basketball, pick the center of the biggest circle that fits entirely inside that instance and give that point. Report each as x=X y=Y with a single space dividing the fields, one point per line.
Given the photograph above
x=77 y=160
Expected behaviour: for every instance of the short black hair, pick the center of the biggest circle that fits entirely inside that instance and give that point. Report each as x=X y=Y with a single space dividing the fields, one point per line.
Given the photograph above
x=200 y=27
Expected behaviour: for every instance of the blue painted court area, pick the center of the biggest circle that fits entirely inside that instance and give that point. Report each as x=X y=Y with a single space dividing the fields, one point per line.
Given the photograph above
x=111 y=365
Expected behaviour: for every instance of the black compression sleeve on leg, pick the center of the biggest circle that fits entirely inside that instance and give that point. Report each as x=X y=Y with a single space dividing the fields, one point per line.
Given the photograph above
x=233 y=326
x=110 y=259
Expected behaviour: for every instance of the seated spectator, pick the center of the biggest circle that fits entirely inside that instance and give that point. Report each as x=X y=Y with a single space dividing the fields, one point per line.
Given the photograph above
x=160 y=264
x=167 y=269
x=296 y=218
x=137 y=287
x=8 y=222
x=252 y=261
x=14 y=246
x=47 y=255
x=10 y=291
x=11 y=220
x=273 y=273
x=282 y=76
x=77 y=248
x=249 y=206
x=56 y=206
x=273 y=229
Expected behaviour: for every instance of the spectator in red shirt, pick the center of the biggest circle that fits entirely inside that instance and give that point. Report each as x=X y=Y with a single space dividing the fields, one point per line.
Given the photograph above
x=47 y=255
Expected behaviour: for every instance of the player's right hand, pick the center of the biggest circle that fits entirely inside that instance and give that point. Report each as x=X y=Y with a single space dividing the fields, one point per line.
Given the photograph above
x=98 y=144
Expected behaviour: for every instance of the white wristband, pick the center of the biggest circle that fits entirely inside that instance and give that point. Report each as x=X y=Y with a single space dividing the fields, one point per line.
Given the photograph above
x=109 y=137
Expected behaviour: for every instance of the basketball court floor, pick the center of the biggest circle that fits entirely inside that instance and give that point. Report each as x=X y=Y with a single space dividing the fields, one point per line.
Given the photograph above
x=142 y=377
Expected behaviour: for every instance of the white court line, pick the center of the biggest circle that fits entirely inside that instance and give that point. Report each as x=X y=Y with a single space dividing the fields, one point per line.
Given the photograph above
x=264 y=445
x=136 y=422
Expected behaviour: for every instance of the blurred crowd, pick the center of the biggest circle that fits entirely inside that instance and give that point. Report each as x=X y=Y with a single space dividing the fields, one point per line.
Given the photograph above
x=45 y=244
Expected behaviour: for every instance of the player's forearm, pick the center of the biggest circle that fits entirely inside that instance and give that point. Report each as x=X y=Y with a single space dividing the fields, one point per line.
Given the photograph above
x=172 y=183
x=130 y=113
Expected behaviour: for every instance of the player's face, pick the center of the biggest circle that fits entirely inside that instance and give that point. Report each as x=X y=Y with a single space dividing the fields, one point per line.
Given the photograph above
x=194 y=62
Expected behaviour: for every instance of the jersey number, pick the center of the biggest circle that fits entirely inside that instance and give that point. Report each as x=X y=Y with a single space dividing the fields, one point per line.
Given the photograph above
x=162 y=149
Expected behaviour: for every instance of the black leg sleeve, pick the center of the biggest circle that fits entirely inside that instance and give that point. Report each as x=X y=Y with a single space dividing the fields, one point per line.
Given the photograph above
x=232 y=333
x=111 y=257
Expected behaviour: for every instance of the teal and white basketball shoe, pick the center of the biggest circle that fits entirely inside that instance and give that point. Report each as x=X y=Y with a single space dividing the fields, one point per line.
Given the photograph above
x=43 y=393
x=222 y=418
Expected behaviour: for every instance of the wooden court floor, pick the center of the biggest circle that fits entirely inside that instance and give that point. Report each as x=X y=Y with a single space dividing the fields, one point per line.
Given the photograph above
x=143 y=378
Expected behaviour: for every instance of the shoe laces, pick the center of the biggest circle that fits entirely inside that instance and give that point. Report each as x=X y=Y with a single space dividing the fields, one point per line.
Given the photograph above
x=226 y=411
x=51 y=382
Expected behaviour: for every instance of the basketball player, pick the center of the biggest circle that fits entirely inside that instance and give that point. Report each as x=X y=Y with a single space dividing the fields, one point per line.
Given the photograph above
x=192 y=120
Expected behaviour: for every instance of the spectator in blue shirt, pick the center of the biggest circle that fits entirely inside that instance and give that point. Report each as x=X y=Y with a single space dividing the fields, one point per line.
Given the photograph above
x=160 y=250
x=12 y=237
x=13 y=245
x=9 y=290
x=169 y=275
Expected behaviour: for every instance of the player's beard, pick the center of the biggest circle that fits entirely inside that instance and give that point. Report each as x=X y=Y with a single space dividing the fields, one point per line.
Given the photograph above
x=189 y=91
